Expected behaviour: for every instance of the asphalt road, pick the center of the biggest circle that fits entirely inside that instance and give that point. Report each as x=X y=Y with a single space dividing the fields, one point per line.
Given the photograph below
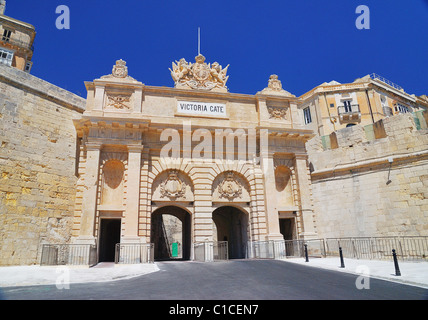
x=231 y=280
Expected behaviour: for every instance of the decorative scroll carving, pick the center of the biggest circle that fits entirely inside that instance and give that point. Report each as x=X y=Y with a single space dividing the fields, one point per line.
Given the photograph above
x=199 y=75
x=173 y=187
x=230 y=188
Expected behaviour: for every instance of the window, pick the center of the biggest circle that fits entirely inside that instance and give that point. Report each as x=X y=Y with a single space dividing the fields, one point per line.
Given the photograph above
x=6 y=57
x=307 y=115
x=401 y=108
x=28 y=66
x=6 y=35
x=347 y=106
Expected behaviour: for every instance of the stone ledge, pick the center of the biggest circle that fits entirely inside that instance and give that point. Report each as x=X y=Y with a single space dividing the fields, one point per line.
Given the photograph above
x=42 y=88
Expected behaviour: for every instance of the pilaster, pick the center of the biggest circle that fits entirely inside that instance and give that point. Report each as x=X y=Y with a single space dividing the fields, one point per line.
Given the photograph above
x=130 y=232
x=89 y=197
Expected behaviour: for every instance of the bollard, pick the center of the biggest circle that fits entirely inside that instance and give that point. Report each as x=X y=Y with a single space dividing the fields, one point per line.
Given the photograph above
x=397 y=269
x=342 y=264
x=306 y=253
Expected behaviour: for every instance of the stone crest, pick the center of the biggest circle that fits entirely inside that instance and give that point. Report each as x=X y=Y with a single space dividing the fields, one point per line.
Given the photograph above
x=199 y=75
x=120 y=70
x=275 y=87
x=277 y=113
x=173 y=187
x=230 y=188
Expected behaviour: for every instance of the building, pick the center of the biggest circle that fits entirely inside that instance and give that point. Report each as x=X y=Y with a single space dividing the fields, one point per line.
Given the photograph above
x=16 y=41
x=190 y=170
x=231 y=167
x=332 y=106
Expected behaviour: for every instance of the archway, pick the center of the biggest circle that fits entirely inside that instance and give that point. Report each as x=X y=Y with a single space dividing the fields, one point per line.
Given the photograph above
x=230 y=224
x=171 y=233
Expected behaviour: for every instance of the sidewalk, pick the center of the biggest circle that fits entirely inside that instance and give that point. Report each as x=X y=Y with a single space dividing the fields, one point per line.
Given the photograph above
x=49 y=275
x=412 y=273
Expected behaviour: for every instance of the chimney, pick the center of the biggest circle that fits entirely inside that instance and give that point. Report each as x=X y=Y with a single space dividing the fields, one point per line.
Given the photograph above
x=2 y=6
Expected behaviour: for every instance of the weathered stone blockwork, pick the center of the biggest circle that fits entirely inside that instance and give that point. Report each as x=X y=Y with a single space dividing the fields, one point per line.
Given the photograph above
x=37 y=165
x=372 y=187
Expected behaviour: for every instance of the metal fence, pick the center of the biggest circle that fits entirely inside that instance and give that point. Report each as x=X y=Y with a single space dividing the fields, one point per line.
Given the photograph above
x=280 y=249
x=134 y=253
x=379 y=248
x=210 y=251
x=68 y=254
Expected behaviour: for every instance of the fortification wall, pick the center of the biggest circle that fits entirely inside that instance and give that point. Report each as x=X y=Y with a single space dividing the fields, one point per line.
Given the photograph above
x=372 y=180
x=37 y=165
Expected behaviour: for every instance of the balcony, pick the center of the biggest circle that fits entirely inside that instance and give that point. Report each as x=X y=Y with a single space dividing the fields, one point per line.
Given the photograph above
x=16 y=43
x=349 y=113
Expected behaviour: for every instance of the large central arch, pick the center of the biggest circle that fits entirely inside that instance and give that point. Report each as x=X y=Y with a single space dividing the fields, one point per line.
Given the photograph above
x=171 y=224
x=231 y=225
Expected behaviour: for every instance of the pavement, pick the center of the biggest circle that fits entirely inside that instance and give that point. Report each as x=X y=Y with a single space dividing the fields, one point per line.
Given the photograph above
x=412 y=273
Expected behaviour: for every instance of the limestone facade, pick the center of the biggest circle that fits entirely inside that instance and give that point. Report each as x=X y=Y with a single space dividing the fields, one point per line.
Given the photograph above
x=37 y=165
x=332 y=106
x=372 y=180
x=142 y=150
x=209 y=164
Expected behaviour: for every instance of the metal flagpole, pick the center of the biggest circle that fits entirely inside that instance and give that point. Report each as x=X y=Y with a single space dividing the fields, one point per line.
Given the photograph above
x=199 y=40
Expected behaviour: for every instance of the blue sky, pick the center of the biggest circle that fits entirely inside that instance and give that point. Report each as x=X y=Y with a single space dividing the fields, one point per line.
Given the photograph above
x=304 y=42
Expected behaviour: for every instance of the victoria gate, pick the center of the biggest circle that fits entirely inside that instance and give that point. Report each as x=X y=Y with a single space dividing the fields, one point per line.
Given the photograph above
x=158 y=181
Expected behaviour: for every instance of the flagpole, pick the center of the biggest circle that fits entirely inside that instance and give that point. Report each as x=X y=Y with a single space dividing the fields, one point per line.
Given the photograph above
x=199 y=40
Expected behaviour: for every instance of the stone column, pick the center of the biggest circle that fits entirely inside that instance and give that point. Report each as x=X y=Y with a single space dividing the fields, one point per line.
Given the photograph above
x=89 y=197
x=130 y=233
x=305 y=191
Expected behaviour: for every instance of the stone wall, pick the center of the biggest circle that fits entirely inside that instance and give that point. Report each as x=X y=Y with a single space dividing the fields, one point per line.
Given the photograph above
x=372 y=180
x=37 y=165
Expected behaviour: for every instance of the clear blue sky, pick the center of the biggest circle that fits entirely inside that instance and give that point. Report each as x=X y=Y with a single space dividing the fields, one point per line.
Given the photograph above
x=305 y=42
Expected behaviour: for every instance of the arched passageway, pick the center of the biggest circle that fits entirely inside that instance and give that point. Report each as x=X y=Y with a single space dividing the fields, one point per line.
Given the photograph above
x=230 y=224
x=171 y=233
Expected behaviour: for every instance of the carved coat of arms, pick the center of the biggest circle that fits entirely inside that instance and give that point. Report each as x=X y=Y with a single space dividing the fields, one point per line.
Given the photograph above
x=199 y=75
x=120 y=70
x=275 y=87
x=173 y=187
x=230 y=188
x=118 y=101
